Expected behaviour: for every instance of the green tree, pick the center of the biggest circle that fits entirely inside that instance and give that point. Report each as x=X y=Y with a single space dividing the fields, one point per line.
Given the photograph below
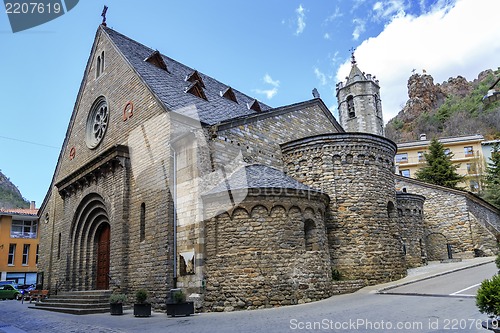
x=492 y=179
x=439 y=169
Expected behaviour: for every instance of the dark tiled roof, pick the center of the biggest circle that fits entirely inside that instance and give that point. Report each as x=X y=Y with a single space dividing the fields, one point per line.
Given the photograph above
x=169 y=85
x=259 y=176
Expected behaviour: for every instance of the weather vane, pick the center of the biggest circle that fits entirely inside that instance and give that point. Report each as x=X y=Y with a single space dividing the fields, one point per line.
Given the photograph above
x=105 y=9
x=353 y=59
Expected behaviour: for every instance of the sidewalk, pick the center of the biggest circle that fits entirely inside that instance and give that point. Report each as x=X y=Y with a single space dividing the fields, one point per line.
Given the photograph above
x=433 y=269
x=17 y=318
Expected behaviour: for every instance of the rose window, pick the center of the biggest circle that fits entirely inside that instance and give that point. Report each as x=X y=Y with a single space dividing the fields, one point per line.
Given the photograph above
x=97 y=123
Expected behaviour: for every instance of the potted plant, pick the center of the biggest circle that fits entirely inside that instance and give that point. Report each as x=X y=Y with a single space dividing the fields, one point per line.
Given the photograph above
x=488 y=301
x=177 y=304
x=116 y=303
x=141 y=307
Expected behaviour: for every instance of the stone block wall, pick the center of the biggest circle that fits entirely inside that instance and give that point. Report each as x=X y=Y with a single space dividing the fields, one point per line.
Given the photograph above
x=411 y=219
x=141 y=251
x=258 y=141
x=346 y=287
x=356 y=171
x=269 y=251
x=456 y=218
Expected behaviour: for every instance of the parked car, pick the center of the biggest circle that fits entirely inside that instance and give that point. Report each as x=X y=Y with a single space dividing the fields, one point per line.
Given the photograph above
x=25 y=289
x=14 y=283
x=9 y=291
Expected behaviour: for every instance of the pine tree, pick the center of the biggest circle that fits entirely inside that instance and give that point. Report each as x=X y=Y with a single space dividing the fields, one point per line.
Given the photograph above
x=439 y=169
x=492 y=179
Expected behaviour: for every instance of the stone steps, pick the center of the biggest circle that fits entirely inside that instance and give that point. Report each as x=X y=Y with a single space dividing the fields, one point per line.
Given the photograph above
x=76 y=302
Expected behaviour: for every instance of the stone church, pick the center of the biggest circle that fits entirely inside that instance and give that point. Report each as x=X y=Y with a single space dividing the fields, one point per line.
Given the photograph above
x=169 y=178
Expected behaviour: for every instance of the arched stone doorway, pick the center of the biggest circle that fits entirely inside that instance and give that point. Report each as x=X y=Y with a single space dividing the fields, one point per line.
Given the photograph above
x=103 y=252
x=89 y=262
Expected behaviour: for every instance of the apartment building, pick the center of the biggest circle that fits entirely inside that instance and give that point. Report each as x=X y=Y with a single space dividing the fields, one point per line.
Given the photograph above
x=19 y=245
x=466 y=152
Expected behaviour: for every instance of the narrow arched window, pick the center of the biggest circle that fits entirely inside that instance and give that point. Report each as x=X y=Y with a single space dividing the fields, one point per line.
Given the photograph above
x=310 y=235
x=102 y=62
x=377 y=109
x=98 y=67
x=350 y=107
x=59 y=247
x=143 y=222
x=390 y=209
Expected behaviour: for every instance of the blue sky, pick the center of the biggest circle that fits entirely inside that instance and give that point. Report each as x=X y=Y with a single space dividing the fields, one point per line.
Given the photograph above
x=276 y=51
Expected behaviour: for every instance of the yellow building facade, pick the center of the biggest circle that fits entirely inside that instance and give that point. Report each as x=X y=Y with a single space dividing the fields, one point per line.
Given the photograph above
x=19 y=245
x=467 y=154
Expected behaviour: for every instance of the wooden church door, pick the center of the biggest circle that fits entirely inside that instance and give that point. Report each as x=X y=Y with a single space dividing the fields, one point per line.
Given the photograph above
x=103 y=249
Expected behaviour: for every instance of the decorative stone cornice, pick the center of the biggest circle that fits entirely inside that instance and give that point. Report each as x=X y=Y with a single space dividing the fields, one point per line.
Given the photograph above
x=410 y=197
x=341 y=139
x=90 y=172
x=270 y=198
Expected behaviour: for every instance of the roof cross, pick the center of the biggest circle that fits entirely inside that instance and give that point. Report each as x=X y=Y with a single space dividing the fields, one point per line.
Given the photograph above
x=105 y=9
x=353 y=59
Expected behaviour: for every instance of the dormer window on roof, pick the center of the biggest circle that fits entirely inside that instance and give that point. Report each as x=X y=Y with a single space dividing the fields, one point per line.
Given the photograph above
x=195 y=76
x=196 y=89
x=229 y=94
x=254 y=106
x=156 y=59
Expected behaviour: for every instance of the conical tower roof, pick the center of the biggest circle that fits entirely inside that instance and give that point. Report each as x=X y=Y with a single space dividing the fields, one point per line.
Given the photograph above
x=355 y=74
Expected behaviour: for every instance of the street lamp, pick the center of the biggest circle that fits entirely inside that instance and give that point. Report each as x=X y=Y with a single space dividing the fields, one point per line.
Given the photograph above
x=492 y=95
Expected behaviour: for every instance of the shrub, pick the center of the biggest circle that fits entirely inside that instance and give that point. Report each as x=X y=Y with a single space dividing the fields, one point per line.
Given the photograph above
x=336 y=275
x=141 y=296
x=179 y=297
x=117 y=298
x=488 y=296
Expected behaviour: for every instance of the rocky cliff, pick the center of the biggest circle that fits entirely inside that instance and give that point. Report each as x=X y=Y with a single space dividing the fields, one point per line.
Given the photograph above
x=10 y=197
x=451 y=108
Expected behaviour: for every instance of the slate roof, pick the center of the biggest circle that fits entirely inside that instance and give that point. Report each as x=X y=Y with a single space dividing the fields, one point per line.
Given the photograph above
x=170 y=85
x=259 y=176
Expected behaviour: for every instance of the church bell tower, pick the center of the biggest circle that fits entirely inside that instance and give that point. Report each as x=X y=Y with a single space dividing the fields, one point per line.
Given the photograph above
x=359 y=104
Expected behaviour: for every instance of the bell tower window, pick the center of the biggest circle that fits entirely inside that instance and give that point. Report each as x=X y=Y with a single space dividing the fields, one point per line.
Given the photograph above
x=350 y=107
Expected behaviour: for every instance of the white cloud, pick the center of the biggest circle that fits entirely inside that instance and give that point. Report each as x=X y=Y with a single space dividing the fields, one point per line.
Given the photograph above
x=301 y=19
x=269 y=80
x=359 y=28
x=270 y=93
x=335 y=59
x=334 y=16
x=327 y=36
x=356 y=3
x=447 y=41
x=384 y=10
x=320 y=76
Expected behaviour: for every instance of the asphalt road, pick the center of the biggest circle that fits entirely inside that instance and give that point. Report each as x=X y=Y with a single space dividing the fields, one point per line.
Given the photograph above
x=363 y=311
x=459 y=284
